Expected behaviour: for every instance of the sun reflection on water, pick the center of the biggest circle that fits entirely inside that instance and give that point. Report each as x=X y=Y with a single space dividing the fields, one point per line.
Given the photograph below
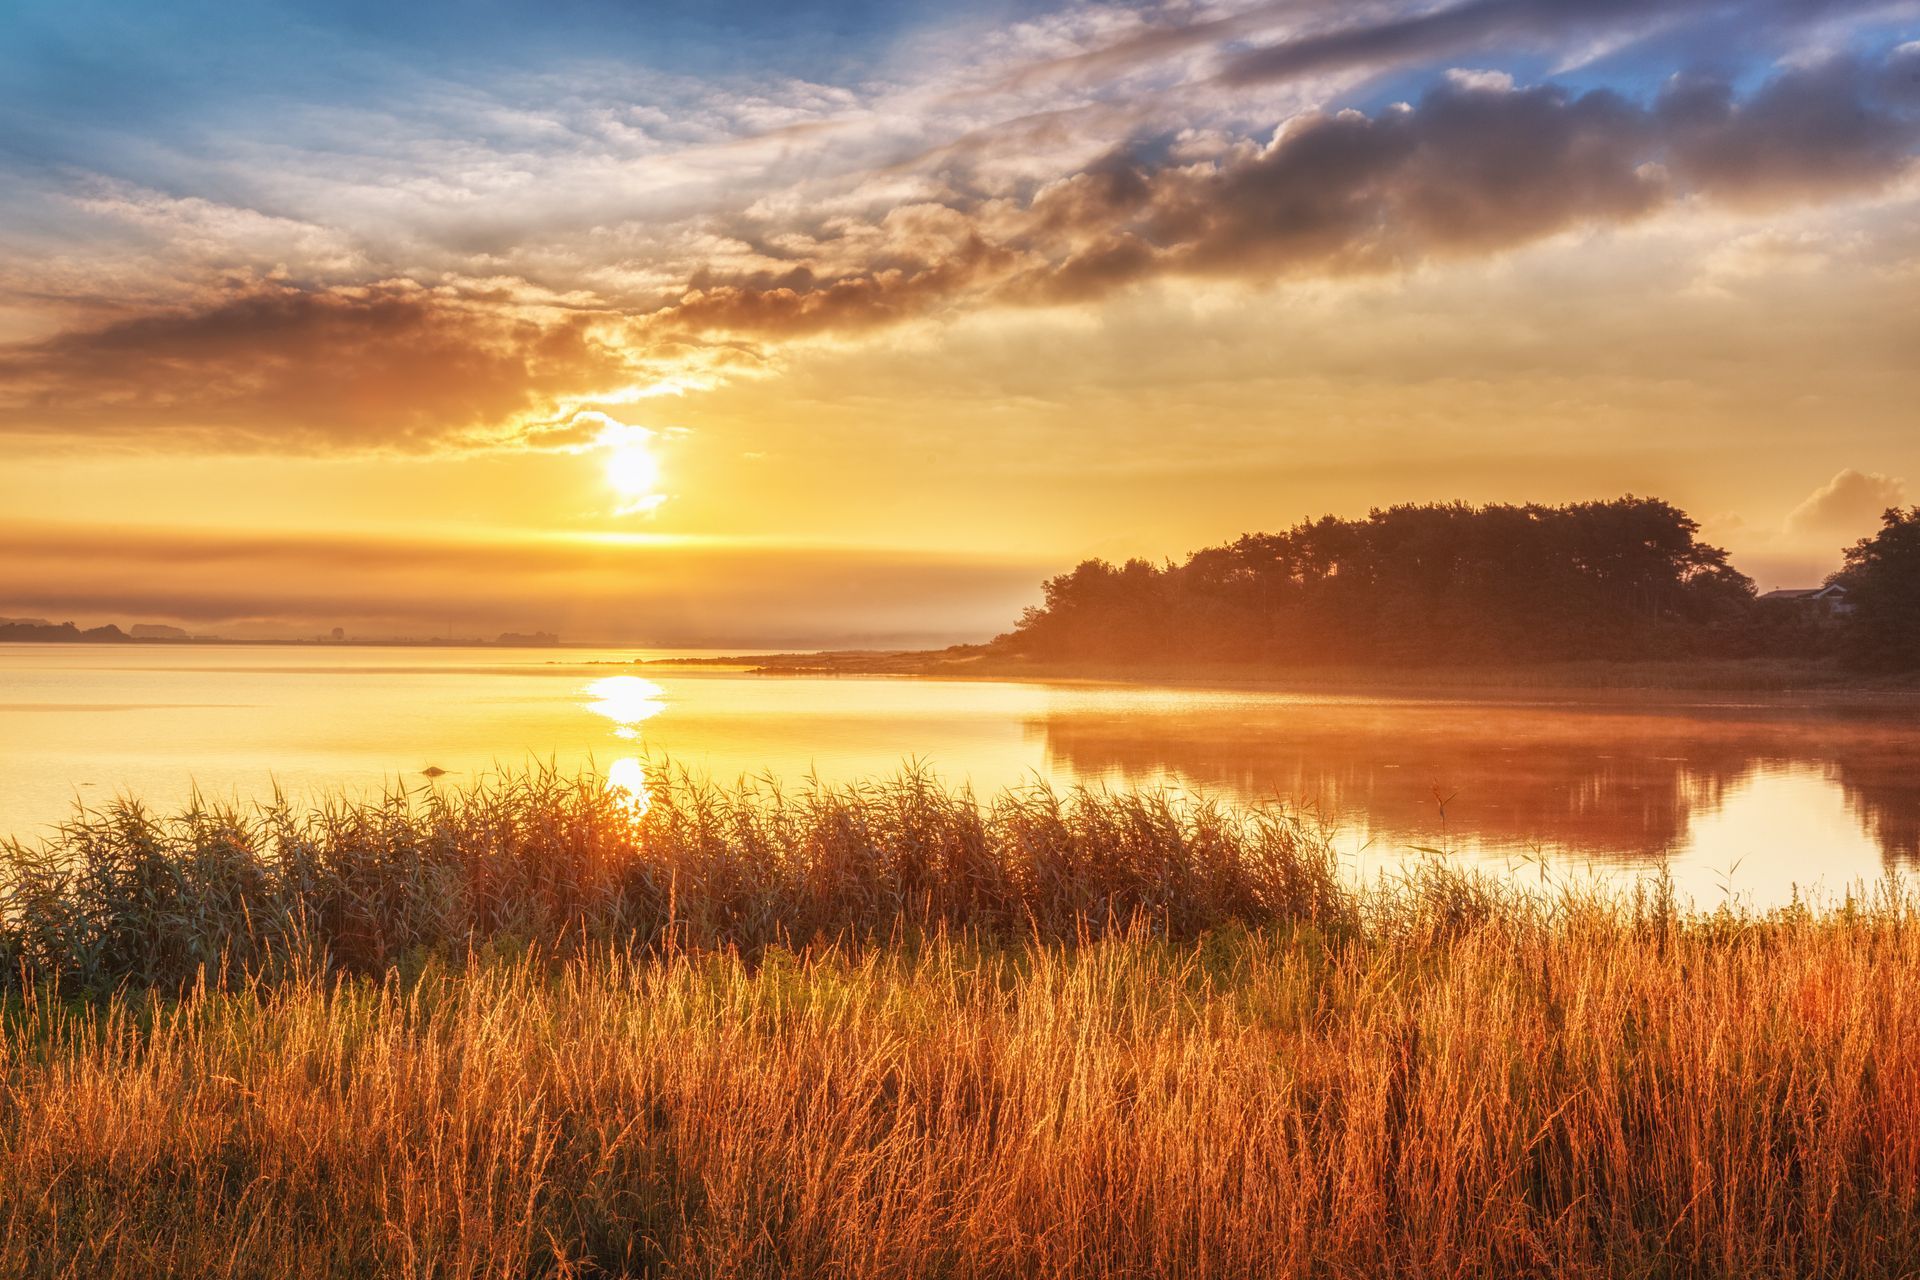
x=627 y=783
x=626 y=700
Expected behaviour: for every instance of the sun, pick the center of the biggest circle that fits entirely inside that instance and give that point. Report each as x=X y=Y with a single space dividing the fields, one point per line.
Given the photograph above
x=633 y=471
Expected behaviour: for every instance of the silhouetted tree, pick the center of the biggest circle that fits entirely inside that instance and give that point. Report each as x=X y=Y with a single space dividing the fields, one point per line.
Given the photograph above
x=1882 y=578
x=1450 y=582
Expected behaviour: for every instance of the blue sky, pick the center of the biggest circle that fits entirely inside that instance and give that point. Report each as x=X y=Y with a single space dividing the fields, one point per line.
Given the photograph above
x=77 y=76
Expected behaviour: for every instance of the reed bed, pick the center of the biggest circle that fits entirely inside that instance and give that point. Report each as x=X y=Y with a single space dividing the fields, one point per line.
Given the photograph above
x=1203 y=1060
x=120 y=896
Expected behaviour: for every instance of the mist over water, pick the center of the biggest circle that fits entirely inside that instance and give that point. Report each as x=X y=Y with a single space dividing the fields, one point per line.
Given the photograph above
x=1743 y=797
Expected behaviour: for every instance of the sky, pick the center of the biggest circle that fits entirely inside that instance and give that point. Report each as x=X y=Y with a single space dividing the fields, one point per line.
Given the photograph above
x=733 y=323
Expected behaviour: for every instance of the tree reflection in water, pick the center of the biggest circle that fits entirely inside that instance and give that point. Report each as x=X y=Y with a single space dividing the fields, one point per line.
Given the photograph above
x=1608 y=782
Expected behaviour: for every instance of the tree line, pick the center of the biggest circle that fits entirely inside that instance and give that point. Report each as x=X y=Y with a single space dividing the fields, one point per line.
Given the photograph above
x=1627 y=578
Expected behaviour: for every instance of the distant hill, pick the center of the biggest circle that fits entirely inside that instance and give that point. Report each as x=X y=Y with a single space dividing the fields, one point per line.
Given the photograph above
x=157 y=631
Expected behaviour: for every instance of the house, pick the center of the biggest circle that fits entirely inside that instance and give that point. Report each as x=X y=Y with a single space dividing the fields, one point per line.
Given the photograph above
x=1830 y=600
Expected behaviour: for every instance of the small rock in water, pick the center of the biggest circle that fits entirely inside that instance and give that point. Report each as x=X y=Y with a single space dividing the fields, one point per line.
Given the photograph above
x=433 y=771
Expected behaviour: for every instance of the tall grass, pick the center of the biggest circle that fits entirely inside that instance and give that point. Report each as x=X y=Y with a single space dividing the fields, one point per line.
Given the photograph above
x=888 y=1032
x=1585 y=1099
x=120 y=896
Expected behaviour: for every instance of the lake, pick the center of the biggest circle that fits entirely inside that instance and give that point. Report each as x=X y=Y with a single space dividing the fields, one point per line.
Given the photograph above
x=1742 y=796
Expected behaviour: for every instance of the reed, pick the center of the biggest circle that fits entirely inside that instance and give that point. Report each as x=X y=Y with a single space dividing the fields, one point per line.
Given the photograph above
x=807 y=1057
x=120 y=896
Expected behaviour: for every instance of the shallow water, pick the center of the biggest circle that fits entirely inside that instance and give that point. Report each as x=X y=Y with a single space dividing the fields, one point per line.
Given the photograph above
x=1744 y=797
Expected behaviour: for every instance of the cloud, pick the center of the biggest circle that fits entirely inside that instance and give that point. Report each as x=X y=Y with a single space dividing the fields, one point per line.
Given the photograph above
x=580 y=431
x=390 y=364
x=1469 y=168
x=1849 y=505
x=1167 y=33
x=1478 y=166
x=802 y=305
x=1902 y=83
x=1398 y=38
x=1437 y=33
x=1804 y=134
x=1324 y=37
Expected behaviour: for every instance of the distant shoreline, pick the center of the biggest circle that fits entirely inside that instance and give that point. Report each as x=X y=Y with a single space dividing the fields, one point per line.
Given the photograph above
x=982 y=662
x=1725 y=675
x=230 y=641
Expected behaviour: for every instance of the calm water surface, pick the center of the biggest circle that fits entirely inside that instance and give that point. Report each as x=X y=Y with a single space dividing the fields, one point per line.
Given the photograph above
x=1747 y=796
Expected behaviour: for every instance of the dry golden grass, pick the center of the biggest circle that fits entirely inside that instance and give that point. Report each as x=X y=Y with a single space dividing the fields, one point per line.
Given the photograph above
x=120 y=896
x=1432 y=1079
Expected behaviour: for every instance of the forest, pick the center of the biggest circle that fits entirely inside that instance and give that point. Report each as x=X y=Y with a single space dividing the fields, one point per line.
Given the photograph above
x=1626 y=578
